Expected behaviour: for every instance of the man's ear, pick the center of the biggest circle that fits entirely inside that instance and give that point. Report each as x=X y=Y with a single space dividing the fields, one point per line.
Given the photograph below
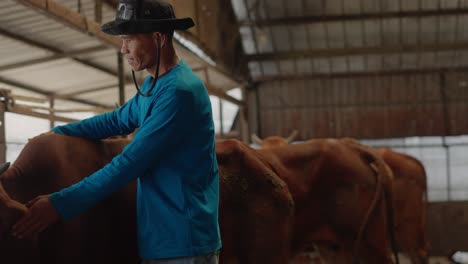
x=162 y=38
x=155 y=37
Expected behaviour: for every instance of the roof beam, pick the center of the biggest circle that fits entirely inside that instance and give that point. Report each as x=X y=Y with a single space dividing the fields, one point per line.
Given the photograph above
x=28 y=41
x=91 y=90
x=52 y=58
x=58 y=52
x=46 y=93
x=325 y=53
x=354 y=17
x=221 y=94
x=21 y=110
x=313 y=76
x=75 y=20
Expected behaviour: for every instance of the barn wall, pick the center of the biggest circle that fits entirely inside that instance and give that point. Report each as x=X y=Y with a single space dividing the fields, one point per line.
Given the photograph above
x=448 y=227
x=365 y=107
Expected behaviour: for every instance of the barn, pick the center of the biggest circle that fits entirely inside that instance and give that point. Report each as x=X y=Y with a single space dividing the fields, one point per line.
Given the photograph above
x=387 y=73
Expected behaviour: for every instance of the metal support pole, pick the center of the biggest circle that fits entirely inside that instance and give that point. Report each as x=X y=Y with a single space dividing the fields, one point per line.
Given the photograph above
x=51 y=112
x=243 y=117
x=259 y=109
x=447 y=131
x=121 y=78
x=447 y=166
x=221 y=122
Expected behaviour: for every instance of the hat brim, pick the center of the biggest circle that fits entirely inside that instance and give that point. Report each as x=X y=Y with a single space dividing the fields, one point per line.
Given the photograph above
x=129 y=27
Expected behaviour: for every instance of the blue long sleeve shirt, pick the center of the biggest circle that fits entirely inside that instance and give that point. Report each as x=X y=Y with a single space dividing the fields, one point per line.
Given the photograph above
x=173 y=158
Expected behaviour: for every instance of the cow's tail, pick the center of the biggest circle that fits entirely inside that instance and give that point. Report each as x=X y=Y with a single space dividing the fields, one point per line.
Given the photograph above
x=391 y=219
x=383 y=176
x=425 y=244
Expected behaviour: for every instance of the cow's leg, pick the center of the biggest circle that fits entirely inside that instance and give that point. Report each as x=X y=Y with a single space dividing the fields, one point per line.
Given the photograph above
x=376 y=247
x=372 y=258
x=421 y=255
x=335 y=254
x=268 y=231
x=417 y=258
x=231 y=228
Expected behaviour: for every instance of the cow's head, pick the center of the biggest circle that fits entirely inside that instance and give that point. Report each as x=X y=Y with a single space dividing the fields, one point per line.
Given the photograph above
x=274 y=141
x=10 y=210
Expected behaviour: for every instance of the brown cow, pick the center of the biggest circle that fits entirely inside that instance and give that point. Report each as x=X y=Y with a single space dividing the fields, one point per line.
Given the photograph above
x=409 y=203
x=409 y=193
x=410 y=200
x=256 y=208
x=105 y=234
x=334 y=197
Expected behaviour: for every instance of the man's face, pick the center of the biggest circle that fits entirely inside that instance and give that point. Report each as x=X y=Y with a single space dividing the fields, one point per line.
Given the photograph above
x=139 y=50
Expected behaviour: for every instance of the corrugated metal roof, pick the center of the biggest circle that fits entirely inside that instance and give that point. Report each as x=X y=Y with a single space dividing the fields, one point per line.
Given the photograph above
x=342 y=36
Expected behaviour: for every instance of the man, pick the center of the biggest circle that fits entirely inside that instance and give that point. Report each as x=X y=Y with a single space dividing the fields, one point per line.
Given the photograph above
x=172 y=155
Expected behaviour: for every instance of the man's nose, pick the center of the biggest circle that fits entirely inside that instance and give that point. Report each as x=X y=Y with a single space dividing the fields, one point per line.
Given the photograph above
x=123 y=49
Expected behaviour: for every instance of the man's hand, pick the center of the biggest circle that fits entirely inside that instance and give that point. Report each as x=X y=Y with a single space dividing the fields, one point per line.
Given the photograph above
x=41 y=215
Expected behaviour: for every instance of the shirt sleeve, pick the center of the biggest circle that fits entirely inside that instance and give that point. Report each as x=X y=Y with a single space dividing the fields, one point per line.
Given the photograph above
x=167 y=124
x=121 y=121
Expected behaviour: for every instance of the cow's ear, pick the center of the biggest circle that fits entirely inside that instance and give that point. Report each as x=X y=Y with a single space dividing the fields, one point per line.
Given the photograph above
x=292 y=137
x=4 y=167
x=255 y=139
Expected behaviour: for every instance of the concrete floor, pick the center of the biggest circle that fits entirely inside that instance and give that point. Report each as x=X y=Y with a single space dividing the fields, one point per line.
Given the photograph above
x=313 y=258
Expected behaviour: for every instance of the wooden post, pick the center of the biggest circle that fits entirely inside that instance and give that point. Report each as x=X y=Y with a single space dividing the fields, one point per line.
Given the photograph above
x=207 y=80
x=3 y=146
x=98 y=11
x=78 y=6
x=243 y=117
x=121 y=76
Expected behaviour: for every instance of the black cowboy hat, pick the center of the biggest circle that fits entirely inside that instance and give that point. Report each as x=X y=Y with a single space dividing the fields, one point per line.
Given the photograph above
x=145 y=16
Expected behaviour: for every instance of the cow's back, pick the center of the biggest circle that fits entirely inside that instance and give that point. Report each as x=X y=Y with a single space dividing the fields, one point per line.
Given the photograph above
x=104 y=234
